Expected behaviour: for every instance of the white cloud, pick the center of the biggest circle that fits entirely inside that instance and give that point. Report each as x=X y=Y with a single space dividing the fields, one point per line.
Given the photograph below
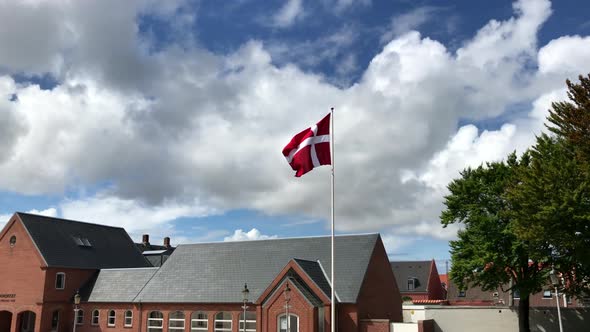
x=409 y=21
x=184 y=132
x=49 y=212
x=288 y=14
x=565 y=55
x=253 y=234
x=135 y=217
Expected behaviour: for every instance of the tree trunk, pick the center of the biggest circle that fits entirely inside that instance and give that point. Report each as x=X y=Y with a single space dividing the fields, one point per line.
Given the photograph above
x=523 y=315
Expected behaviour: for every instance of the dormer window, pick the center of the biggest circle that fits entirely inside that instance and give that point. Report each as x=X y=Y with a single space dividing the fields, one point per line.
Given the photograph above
x=412 y=283
x=60 y=280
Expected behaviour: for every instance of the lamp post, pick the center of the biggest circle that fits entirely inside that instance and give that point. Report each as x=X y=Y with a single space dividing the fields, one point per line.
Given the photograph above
x=245 y=293
x=76 y=309
x=555 y=281
x=287 y=299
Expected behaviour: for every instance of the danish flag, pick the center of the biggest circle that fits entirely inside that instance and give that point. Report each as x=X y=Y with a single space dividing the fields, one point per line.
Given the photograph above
x=310 y=148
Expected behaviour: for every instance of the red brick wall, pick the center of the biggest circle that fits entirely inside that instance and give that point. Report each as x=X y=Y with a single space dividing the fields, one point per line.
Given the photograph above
x=374 y=325
x=435 y=289
x=379 y=297
x=274 y=307
x=21 y=275
x=348 y=318
x=21 y=272
x=141 y=313
x=74 y=280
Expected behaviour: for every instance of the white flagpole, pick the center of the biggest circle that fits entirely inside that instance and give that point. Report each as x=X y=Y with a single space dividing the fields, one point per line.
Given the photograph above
x=333 y=303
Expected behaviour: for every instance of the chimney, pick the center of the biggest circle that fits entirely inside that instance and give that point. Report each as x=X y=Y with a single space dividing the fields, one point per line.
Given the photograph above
x=146 y=240
x=167 y=242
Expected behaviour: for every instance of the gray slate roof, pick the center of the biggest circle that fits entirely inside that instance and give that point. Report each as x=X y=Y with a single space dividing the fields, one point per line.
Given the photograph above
x=111 y=247
x=216 y=272
x=411 y=269
x=314 y=272
x=117 y=285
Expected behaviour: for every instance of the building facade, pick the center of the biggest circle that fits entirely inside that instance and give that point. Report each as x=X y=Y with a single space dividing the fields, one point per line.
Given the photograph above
x=418 y=280
x=48 y=261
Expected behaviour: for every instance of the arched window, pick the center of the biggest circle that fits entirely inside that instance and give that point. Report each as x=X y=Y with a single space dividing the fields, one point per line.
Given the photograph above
x=60 y=280
x=155 y=322
x=176 y=321
x=55 y=321
x=12 y=241
x=95 y=316
x=128 y=318
x=223 y=321
x=199 y=321
x=111 y=318
x=250 y=321
x=80 y=317
x=293 y=323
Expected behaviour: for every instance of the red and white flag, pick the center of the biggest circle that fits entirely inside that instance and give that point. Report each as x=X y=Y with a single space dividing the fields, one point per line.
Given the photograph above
x=310 y=148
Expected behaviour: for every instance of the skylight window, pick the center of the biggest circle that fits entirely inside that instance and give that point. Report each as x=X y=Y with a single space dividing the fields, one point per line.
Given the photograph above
x=82 y=241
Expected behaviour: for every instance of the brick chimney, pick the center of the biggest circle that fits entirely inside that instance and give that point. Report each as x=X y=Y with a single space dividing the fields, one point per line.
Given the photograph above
x=167 y=242
x=146 y=239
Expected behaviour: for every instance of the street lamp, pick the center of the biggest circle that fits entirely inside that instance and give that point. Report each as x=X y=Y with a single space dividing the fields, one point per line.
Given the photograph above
x=245 y=293
x=287 y=299
x=555 y=281
x=76 y=309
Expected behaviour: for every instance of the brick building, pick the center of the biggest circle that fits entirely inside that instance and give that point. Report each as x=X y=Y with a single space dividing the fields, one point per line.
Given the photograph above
x=46 y=261
x=418 y=280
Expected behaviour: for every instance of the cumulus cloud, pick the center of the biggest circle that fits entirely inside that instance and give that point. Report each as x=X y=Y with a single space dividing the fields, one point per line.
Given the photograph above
x=253 y=234
x=50 y=212
x=183 y=132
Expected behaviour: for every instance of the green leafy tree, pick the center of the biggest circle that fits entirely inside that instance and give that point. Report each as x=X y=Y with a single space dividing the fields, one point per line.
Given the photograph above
x=570 y=120
x=550 y=210
x=488 y=253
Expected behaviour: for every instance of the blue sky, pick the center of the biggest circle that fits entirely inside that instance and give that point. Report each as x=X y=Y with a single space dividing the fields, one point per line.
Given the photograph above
x=169 y=118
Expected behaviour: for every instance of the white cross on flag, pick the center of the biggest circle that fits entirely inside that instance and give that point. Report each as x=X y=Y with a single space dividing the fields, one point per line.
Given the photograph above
x=310 y=148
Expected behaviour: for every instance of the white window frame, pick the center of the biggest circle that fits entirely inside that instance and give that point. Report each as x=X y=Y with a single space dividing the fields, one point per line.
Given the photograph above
x=516 y=294
x=222 y=329
x=63 y=286
x=200 y=320
x=284 y=316
x=114 y=317
x=547 y=297
x=248 y=321
x=80 y=317
x=150 y=319
x=411 y=281
x=183 y=320
x=130 y=317
x=95 y=318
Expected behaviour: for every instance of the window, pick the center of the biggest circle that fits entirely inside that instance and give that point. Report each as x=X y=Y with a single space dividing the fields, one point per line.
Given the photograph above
x=293 y=324
x=155 y=322
x=80 y=317
x=176 y=321
x=55 y=321
x=128 y=318
x=199 y=321
x=462 y=293
x=60 y=280
x=547 y=294
x=250 y=321
x=12 y=241
x=111 y=318
x=95 y=316
x=516 y=294
x=411 y=284
x=223 y=322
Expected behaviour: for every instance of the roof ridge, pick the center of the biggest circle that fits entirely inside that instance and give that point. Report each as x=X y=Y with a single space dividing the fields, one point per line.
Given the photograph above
x=279 y=239
x=67 y=220
x=130 y=268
